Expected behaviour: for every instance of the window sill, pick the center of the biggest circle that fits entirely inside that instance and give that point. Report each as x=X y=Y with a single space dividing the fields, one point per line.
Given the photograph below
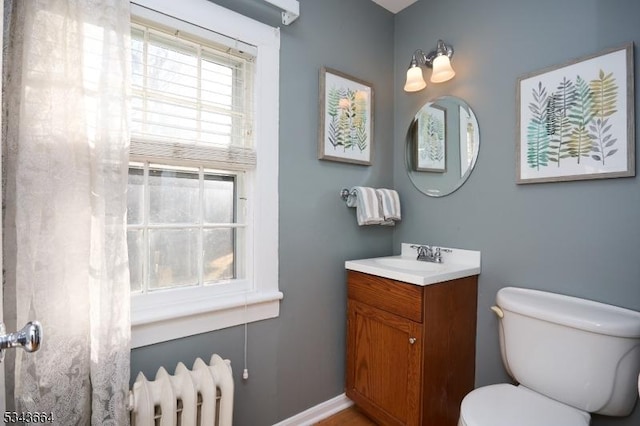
x=157 y=323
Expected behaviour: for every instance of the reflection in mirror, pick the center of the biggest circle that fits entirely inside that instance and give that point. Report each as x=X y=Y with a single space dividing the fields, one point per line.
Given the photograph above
x=442 y=146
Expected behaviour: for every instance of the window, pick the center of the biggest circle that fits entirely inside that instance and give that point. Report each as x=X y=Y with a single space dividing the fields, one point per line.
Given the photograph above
x=200 y=257
x=184 y=228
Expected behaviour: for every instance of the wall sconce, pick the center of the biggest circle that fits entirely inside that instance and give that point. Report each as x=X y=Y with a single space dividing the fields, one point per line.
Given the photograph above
x=438 y=59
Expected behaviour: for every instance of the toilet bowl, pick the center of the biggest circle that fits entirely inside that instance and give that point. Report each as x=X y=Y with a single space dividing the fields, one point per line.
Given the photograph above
x=556 y=347
x=509 y=405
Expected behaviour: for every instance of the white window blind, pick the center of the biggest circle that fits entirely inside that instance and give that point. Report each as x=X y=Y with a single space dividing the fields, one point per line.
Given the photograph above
x=191 y=100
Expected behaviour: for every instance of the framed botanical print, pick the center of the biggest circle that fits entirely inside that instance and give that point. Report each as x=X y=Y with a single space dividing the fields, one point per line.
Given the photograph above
x=431 y=140
x=346 y=118
x=576 y=120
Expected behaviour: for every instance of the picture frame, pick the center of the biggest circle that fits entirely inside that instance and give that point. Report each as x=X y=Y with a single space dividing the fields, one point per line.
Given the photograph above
x=431 y=142
x=345 y=131
x=576 y=121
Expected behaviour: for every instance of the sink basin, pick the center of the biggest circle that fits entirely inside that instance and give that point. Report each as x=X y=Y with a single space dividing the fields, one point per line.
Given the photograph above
x=456 y=264
x=409 y=264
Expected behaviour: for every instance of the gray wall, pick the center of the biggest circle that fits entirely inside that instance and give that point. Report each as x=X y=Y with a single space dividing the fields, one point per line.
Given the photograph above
x=297 y=360
x=578 y=238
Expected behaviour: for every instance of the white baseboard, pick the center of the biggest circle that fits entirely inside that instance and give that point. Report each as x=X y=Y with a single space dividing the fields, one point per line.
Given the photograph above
x=321 y=411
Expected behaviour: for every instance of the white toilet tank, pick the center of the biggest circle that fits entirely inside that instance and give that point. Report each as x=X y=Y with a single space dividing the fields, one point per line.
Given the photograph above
x=582 y=353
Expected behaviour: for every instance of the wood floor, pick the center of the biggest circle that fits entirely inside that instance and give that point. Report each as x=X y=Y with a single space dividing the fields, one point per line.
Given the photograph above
x=352 y=416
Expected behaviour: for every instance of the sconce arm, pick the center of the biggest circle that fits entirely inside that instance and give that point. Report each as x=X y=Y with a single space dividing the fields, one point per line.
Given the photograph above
x=441 y=49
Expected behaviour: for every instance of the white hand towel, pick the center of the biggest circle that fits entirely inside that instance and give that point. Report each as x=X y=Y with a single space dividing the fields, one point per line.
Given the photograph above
x=365 y=200
x=389 y=204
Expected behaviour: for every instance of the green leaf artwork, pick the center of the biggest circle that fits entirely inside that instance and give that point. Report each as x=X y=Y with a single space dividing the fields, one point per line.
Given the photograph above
x=572 y=122
x=432 y=140
x=537 y=134
x=604 y=90
x=347 y=110
x=576 y=120
x=558 y=125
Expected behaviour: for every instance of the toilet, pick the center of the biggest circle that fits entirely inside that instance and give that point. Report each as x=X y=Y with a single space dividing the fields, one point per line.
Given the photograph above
x=570 y=357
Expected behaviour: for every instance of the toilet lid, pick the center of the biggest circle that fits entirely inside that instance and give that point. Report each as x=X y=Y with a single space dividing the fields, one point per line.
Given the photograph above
x=508 y=405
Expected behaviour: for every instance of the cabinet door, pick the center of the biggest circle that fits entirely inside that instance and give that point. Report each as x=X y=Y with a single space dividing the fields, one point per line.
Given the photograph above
x=383 y=364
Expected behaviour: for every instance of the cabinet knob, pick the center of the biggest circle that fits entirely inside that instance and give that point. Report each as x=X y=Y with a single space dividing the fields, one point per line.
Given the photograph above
x=412 y=340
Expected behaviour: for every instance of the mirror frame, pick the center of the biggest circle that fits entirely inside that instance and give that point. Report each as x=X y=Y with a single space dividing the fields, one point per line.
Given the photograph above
x=415 y=172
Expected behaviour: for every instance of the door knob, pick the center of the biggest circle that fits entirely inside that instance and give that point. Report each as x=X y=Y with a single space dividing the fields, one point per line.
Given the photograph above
x=29 y=338
x=412 y=340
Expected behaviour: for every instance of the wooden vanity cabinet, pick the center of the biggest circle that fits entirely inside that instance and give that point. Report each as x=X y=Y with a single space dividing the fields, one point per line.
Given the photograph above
x=410 y=349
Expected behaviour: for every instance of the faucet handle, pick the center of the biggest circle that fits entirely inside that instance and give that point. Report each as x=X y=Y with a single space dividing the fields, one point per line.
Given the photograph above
x=438 y=254
x=421 y=250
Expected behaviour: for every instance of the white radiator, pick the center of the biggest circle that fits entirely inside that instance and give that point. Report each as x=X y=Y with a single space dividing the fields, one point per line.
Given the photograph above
x=197 y=397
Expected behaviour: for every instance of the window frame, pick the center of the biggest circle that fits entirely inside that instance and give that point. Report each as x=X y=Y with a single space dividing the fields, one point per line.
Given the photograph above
x=171 y=314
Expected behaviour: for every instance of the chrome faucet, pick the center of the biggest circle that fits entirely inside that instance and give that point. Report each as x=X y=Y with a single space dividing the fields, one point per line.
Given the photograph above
x=430 y=253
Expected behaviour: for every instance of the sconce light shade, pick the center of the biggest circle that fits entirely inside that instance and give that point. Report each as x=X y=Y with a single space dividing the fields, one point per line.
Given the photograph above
x=415 y=81
x=438 y=59
x=442 y=70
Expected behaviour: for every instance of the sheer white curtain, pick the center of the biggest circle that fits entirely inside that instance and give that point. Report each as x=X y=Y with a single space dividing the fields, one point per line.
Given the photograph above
x=67 y=141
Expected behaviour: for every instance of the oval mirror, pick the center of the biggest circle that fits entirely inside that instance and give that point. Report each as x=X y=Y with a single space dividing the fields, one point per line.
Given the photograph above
x=442 y=146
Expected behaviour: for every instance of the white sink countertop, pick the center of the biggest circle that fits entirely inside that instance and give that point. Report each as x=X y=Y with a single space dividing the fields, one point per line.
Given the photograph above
x=456 y=264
